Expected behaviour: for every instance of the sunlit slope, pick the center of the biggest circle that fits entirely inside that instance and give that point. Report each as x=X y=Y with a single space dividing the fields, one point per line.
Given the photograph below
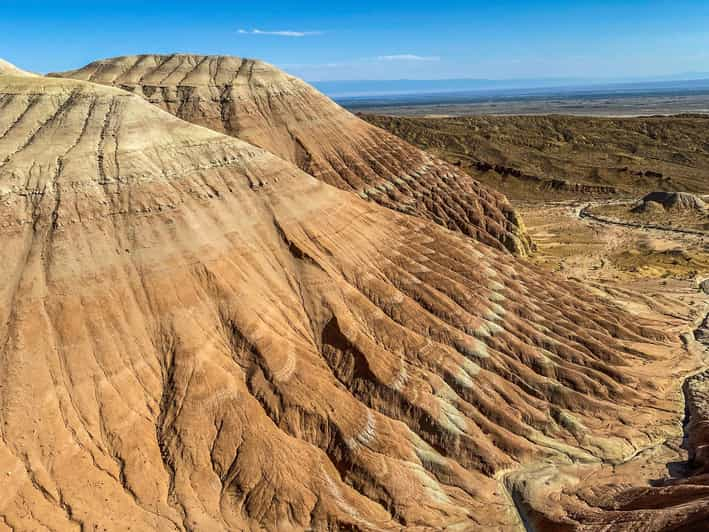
x=263 y=105
x=195 y=334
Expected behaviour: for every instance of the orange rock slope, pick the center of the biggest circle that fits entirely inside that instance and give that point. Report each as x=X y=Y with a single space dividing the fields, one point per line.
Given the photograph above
x=197 y=335
x=256 y=102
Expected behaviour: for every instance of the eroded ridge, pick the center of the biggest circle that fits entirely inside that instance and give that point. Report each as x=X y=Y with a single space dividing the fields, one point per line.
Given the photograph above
x=195 y=334
x=256 y=102
x=8 y=69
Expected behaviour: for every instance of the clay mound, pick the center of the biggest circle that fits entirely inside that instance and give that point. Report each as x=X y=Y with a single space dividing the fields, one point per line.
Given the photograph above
x=8 y=69
x=256 y=102
x=651 y=208
x=671 y=201
x=196 y=335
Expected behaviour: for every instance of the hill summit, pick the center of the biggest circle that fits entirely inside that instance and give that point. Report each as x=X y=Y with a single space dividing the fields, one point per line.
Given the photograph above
x=8 y=69
x=263 y=105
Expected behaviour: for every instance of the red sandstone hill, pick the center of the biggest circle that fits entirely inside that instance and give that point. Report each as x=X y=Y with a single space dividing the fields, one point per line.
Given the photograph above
x=260 y=104
x=197 y=335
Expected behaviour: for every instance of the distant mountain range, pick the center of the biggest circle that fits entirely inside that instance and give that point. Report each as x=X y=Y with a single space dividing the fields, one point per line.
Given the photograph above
x=356 y=88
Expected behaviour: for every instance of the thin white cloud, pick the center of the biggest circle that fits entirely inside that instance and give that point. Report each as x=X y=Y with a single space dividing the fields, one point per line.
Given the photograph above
x=365 y=60
x=315 y=65
x=280 y=33
x=407 y=57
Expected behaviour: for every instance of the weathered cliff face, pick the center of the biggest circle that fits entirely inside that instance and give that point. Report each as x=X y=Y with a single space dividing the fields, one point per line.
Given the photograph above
x=256 y=102
x=197 y=335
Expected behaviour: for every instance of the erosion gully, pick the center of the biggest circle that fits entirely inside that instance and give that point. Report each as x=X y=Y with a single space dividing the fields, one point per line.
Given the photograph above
x=697 y=336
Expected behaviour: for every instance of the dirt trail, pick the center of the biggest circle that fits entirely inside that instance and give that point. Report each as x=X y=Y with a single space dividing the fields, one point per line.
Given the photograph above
x=585 y=213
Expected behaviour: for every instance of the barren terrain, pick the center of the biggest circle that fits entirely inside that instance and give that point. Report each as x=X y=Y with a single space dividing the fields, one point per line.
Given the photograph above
x=210 y=331
x=590 y=102
x=260 y=104
x=589 y=222
x=646 y=213
x=646 y=270
x=565 y=157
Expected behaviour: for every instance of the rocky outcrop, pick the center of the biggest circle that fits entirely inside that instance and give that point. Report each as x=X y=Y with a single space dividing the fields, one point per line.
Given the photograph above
x=197 y=335
x=256 y=102
x=671 y=201
x=697 y=398
x=562 y=185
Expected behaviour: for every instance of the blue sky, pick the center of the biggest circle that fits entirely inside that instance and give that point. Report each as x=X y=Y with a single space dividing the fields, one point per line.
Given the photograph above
x=374 y=39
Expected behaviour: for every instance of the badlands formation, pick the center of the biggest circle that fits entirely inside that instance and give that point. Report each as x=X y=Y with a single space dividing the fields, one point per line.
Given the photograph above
x=260 y=104
x=677 y=201
x=565 y=157
x=197 y=334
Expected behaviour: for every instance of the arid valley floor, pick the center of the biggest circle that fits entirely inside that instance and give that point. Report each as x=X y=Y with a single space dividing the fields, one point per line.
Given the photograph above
x=229 y=304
